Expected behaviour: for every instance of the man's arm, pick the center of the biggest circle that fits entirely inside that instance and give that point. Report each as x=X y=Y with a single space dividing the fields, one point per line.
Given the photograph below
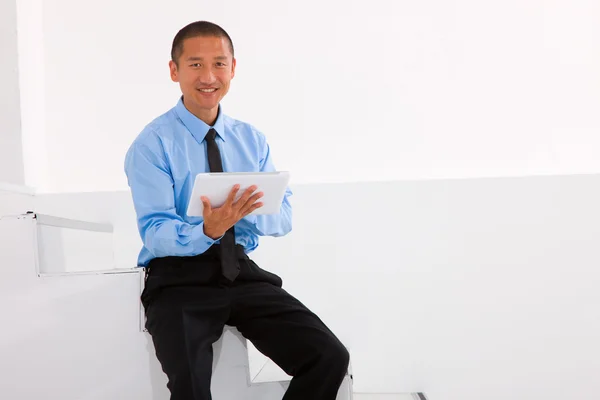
x=163 y=232
x=275 y=224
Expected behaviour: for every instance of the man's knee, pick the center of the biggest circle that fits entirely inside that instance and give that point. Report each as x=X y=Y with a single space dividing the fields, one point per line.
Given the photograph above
x=337 y=357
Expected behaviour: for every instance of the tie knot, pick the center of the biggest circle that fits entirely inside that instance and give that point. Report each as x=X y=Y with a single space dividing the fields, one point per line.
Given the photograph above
x=211 y=135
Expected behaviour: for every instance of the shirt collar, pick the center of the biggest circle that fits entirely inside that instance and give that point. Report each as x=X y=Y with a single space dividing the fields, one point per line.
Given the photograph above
x=196 y=126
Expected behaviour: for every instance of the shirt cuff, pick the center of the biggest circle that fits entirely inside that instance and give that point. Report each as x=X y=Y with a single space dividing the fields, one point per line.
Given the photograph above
x=253 y=219
x=198 y=236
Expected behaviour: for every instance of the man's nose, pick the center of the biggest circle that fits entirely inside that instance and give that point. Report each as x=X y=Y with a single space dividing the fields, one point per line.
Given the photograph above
x=207 y=76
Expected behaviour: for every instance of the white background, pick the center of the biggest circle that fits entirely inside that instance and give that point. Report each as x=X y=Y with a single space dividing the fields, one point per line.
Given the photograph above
x=465 y=289
x=344 y=91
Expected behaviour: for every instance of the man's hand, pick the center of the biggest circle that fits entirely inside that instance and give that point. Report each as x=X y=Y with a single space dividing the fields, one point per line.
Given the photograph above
x=218 y=220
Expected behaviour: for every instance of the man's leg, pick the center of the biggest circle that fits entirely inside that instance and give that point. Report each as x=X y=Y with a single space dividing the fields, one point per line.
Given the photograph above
x=184 y=323
x=292 y=336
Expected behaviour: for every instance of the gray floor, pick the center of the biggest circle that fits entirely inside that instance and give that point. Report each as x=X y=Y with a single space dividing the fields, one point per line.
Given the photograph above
x=363 y=396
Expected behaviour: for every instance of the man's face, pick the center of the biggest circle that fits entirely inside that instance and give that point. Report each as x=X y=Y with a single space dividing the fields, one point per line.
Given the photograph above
x=206 y=67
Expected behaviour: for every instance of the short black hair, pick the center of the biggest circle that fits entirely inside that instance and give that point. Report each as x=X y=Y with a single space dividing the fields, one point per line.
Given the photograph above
x=195 y=29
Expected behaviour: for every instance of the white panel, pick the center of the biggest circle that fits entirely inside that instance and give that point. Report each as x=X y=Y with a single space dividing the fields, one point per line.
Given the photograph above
x=74 y=250
x=31 y=59
x=391 y=89
x=18 y=260
x=11 y=154
x=66 y=246
x=15 y=203
x=114 y=208
x=11 y=188
x=257 y=363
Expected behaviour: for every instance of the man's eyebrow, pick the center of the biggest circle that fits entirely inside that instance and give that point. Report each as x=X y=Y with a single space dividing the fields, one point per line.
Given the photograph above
x=194 y=58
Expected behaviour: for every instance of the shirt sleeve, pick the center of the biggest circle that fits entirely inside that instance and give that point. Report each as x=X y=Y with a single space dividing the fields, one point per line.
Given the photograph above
x=273 y=224
x=162 y=230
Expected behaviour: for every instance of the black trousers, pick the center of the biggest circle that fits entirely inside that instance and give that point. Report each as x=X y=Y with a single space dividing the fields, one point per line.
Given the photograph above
x=188 y=303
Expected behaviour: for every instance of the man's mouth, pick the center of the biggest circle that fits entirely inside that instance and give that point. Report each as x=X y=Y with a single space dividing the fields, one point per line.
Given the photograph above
x=211 y=90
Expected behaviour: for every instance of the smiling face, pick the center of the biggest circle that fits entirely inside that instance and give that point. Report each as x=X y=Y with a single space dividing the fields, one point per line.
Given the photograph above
x=204 y=71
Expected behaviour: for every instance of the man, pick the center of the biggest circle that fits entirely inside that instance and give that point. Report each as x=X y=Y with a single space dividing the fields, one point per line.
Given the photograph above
x=199 y=276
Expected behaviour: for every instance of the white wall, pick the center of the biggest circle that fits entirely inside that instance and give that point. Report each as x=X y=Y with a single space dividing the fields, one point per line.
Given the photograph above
x=411 y=90
x=32 y=93
x=11 y=159
x=463 y=289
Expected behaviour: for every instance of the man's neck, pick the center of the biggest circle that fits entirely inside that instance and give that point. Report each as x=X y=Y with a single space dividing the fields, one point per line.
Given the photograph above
x=209 y=117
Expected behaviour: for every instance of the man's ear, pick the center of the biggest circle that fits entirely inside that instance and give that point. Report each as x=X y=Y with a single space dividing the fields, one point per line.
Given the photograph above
x=173 y=70
x=233 y=63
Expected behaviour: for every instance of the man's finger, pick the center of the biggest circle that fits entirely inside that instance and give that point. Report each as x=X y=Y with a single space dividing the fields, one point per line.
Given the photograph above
x=232 y=195
x=207 y=207
x=251 y=201
x=244 y=199
x=252 y=208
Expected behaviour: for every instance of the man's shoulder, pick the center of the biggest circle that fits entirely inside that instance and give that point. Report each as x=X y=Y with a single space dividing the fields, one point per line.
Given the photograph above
x=243 y=129
x=158 y=130
x=161 y=126
x=153 y=136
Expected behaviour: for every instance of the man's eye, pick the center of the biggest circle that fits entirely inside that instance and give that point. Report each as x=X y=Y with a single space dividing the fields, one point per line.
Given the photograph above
x=195 y=65
x=220 y=64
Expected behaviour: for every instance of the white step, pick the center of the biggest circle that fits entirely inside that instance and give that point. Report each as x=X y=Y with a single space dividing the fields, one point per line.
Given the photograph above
x=369 y=396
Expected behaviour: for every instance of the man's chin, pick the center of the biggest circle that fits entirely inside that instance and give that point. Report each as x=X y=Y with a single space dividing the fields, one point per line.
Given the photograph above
x=203 y=104
x=207 y=103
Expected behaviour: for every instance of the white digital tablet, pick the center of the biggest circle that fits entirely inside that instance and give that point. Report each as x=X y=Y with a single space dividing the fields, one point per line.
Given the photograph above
x=217 y=186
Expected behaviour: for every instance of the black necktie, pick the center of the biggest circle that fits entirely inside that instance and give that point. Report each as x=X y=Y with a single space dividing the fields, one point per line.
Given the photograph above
x=229 y=261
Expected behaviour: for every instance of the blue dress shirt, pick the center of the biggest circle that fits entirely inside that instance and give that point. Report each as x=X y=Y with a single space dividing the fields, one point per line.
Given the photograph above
x=161 y=166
